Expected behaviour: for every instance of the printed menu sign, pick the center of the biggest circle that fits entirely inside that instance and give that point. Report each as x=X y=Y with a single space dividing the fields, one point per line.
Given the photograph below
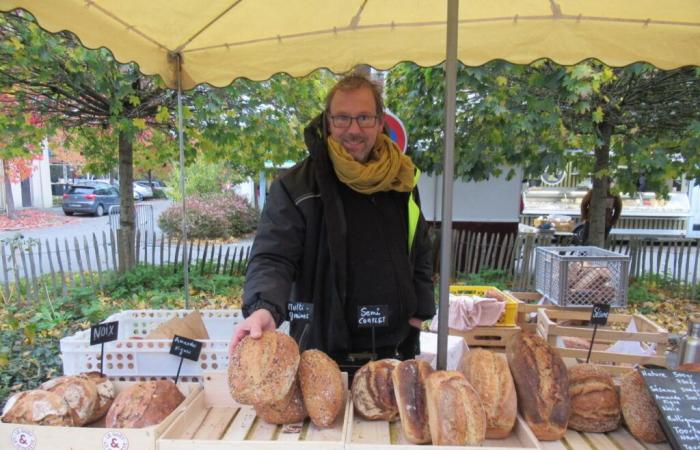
x=677 y=394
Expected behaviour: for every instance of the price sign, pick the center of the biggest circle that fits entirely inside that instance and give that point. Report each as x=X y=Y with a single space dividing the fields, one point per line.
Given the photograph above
x=186 y=348
x=372 y=316
x=104 y=332
x=300 y=311
x=600 y=313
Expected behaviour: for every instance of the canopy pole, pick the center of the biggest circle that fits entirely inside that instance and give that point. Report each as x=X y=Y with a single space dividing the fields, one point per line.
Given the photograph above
x=181 y=142
x=447 y=181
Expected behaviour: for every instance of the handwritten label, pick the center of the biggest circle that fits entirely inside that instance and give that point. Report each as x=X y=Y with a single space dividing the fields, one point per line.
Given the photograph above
x=185 y=348
x=677 y=395
x=372 y=316
x=104 y=332
x=300 y=311
x=599 y=314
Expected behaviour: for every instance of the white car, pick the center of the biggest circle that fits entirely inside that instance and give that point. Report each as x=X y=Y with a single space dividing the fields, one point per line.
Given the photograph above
x=142 y=192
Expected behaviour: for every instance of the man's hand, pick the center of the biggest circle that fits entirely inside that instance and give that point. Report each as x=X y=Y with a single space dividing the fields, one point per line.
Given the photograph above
x=261 y=320
x=415 y=322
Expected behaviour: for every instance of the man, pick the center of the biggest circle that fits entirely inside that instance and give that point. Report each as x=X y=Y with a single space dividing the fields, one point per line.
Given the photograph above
x=341 y=231
x=613 y=209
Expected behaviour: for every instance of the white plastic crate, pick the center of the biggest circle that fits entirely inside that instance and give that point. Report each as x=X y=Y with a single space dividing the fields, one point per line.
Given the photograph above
x=582 y=276
x=130 y=356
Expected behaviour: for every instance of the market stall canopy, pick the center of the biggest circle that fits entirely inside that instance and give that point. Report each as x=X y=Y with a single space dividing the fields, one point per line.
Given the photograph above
x=221 y=40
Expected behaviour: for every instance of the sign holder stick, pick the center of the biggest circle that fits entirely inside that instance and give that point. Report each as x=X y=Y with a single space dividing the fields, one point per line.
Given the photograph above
x=177 y=375
x=590 y=348
x=102 y=358
x=374 y=347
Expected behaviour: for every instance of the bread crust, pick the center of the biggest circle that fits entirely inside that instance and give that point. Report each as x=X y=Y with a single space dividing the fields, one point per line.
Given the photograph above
x=263 y=370
x=288 y=410
x=455 y=413
x=595 y=404
x=322 y=387
x=639 y=410
x=489 y=374
x=542 y=385
x=373 y=390
x=144 y=404
x=105 y=394
x=409 y=389
x=79 y=392
x=39 y=407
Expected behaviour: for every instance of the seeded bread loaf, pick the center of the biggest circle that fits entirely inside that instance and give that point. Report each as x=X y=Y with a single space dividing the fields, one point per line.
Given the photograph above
x=409 y=389
x=373 y=390
x=322 y=387
x=288 y=410
x=38 y=407
x=144 y=404
x=595 y=404
x=639 y=410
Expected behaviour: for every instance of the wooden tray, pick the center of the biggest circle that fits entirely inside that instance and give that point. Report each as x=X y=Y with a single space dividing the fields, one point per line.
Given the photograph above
x=486 y=336
x=616 y=440
x=94 y=436
x=214 y=420
x=383 y=435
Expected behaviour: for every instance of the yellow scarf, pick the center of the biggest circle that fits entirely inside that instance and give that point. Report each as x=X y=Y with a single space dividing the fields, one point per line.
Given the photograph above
x=386 y=169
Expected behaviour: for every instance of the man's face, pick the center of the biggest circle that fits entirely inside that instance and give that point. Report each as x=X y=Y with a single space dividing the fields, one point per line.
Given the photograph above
x=356 y=140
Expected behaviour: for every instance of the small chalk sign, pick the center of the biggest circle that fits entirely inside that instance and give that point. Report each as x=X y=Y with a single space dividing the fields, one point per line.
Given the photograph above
x=101 y=333
x=600 y=313
x=300 y=311
x=373 y=316
x=185 y=348
x=104 y=332
x=677 y=395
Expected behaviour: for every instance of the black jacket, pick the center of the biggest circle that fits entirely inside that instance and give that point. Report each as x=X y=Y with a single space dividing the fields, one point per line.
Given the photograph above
x=300 y=254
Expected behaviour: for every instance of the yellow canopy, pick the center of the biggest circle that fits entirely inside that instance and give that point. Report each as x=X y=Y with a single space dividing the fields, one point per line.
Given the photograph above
x=221 y=40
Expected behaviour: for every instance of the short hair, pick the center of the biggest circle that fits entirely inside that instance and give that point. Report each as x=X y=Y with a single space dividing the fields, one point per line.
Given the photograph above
x=353 y=82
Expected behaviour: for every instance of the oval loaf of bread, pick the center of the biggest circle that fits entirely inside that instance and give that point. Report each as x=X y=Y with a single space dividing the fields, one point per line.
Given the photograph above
x=595 y=405
x=322 y=387
x=639 y=410
x=79 y=392
x=373 y=390
x=144 y=404
x=38 y=407
x=288 y=410
x=409 y=389
x=105 y=394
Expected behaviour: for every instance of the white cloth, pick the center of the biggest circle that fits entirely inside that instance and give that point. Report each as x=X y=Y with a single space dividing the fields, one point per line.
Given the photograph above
x=428 y=349
x=467 y=312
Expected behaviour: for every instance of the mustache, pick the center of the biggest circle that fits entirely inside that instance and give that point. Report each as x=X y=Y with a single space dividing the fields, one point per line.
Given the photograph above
x=354 y=138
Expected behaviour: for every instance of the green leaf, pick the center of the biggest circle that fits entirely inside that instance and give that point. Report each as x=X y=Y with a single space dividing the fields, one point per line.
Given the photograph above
x=597 y=115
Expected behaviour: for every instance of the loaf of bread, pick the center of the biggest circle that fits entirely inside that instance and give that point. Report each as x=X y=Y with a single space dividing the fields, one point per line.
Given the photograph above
x=288 y=410
x=38 y=407
x=105 y=394
x=263 y=370
x=542 y=384
x=595 y=405
x=489 y=374
x=373 y=390
x=322 y=387
x=409 y=389
x=455 y=413
x=79 y=392
x=639 y=410
x=144 y=404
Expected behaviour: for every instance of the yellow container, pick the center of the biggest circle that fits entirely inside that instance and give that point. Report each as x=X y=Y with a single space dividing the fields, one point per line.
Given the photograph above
x=509 y=317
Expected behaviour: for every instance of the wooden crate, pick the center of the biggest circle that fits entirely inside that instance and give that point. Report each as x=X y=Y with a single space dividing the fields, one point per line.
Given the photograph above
x=215 y=421
x=527 y=309
x=383 y=435
x=94 y=436
x=486 y=336
x=616 y=440
x=616 y=363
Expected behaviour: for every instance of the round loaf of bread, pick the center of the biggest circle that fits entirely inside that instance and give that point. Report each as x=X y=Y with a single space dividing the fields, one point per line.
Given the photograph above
x=39 y=407
x=639 y=410
x=489 y=374
x=455 y=413
x=144 y=404
x=595 y=405
x=79 y=392
x=373 y=390
x=542 y=385
x=409 y=388
x=288 y=410
x=263 y=370
x=105 y=394
x=322 y=387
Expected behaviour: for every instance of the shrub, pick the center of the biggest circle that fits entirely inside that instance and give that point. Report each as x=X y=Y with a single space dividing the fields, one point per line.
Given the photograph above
x=211 y=216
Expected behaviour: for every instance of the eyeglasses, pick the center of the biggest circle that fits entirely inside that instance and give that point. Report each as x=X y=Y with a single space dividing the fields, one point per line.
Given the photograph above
x=343 y=121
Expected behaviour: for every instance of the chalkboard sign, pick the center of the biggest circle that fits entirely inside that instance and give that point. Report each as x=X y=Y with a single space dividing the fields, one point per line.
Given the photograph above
x=300 y=311
x=372 y=316
x=104 y=332
x=677 y=394
x=185 y=348
x=600 y=313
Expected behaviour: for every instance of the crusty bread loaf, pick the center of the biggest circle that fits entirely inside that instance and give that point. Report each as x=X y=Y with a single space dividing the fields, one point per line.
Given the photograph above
x=79 y=392
x=542 y=384
x=373 y=390
x=38 y=407
x=489 y=374
x=263 y=370
x=288 y=410
x=409 y=389
x=144 y=404
x=105 y=394
x=455 y=413
x=322 y=387
x=639 y=410
x=595 y=405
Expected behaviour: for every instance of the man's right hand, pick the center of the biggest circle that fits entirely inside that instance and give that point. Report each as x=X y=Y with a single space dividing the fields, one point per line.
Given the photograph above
x=261 y=320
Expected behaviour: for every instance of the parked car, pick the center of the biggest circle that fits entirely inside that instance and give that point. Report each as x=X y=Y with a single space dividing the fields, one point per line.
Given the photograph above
x=155 y=184
x=142 y=192
x=89 y=198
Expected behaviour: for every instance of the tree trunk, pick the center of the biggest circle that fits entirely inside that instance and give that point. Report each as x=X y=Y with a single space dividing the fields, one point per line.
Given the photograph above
x=596 y=231
x=126 y=234
x=9 y=199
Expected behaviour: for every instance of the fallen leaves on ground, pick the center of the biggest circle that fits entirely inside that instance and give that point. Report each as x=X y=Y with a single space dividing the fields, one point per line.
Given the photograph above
x=671 y=314
x=33 y=218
